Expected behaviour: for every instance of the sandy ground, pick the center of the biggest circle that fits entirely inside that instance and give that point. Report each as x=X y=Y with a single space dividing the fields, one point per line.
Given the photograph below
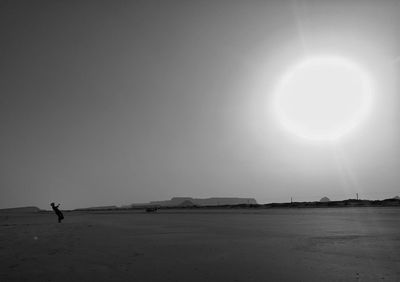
x=350 y=244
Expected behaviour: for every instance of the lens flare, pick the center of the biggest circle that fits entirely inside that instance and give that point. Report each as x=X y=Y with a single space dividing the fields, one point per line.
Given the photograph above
x=323 y=98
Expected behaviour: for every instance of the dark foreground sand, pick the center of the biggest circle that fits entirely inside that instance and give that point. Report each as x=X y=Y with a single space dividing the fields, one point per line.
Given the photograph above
x=340 y=244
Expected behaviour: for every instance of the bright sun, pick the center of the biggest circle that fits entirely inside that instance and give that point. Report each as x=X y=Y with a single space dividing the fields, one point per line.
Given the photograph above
x=323 y=98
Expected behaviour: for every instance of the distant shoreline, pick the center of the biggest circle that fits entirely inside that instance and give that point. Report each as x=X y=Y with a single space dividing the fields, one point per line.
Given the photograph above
x=316 y=204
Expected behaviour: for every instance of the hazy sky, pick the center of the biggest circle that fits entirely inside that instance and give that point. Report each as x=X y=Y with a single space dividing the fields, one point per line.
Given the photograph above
x=116 y=102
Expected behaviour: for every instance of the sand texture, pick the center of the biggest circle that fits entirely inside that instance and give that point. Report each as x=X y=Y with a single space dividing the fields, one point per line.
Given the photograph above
x=338 y=244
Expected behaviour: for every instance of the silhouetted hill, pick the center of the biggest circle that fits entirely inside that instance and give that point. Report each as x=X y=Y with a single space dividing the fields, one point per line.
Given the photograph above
x=100 y=208
x=325 y=199
x=215 y=201
x=187 y=203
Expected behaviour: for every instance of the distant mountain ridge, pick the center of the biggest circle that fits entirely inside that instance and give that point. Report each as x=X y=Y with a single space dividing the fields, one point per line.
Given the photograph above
x=189 y=201
x=99 y=208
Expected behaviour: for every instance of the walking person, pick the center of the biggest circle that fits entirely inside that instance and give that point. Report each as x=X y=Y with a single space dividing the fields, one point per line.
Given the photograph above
x=57 y=211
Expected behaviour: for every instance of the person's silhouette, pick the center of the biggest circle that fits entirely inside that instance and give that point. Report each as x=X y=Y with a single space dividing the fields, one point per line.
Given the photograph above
x=57 y=211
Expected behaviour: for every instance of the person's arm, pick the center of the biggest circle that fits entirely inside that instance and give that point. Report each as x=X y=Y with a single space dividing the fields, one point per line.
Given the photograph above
x=57 y=205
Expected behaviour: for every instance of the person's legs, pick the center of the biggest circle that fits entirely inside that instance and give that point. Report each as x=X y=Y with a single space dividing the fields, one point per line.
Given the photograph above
x=60 y=217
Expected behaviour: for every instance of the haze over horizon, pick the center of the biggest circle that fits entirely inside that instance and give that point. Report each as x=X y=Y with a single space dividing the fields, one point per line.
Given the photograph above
x=112 y=103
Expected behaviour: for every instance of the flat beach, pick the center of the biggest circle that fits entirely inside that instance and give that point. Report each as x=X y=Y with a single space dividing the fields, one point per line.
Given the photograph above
x=324 y=244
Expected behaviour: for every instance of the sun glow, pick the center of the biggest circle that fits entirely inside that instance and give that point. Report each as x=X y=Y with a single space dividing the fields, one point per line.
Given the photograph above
x=323 y=98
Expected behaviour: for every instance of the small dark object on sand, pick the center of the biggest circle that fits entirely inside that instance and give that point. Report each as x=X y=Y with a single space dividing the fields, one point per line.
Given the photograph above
x=151 y=209
x=57 y=211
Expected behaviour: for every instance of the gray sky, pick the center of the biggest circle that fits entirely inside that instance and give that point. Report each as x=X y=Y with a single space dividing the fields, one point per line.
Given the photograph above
x=112 y=102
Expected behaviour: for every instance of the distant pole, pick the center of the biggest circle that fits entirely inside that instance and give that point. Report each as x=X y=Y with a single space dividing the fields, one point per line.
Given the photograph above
x=291 y=200
x=357 y=196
